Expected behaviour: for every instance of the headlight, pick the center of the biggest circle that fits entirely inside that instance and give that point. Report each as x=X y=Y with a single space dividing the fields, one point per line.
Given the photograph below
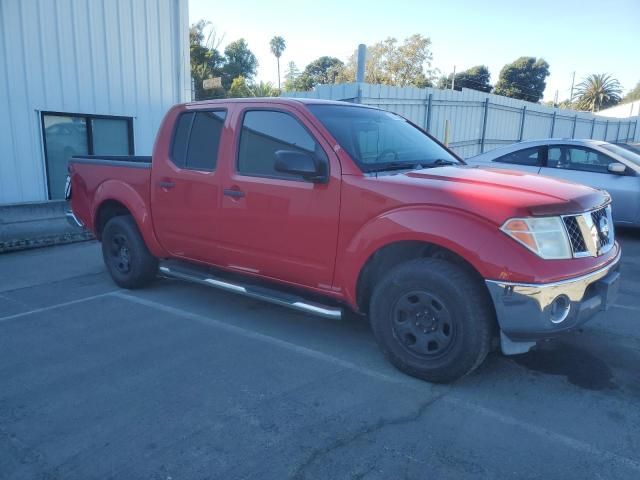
x=544 y=236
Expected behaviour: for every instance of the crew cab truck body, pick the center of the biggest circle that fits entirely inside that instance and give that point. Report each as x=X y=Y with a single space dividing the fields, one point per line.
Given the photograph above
x=322 y=206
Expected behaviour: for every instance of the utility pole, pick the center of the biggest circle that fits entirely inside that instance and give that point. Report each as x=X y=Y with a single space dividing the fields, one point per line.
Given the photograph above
x=362 y=58
x=453 y=79
x=555 y=99
x=573 y=80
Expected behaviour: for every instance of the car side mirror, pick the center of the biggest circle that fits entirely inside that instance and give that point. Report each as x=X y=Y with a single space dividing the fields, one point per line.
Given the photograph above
x=303 y=164
x=617 y=168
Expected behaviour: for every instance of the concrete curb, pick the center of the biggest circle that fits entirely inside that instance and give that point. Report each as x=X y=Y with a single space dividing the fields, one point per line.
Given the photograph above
x=33 y=225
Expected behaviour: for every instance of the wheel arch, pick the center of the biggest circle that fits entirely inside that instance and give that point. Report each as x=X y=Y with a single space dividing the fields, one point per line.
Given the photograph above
x=114 y=198
x=106 y=211
x=388 y=256
x=422 y=231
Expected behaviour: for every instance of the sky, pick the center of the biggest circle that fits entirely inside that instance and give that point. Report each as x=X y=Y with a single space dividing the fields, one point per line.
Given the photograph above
x=589 y=36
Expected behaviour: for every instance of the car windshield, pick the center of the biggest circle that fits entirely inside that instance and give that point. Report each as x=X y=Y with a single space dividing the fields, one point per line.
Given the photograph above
x=623 y=152
x=379 y=140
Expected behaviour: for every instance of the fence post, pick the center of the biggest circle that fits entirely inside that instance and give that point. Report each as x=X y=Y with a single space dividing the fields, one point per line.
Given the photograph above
x=359 y=94
x=573 y=131
x=606 y=130
x=524 y=116
x=484 y=124
x=618 y=131
x=446 y=133
x=593 y=126
x=553 y=123
x=427 y=114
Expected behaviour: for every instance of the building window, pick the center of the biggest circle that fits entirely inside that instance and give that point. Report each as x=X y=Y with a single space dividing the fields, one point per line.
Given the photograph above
x=66 y=135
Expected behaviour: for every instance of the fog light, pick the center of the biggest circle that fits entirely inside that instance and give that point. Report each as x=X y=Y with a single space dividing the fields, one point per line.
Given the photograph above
x=560 y=308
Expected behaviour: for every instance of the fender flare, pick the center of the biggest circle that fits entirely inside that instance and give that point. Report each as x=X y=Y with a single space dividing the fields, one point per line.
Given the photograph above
x=125 y=194
x=475 y=239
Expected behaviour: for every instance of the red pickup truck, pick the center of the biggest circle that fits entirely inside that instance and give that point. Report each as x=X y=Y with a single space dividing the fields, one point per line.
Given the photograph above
x=321 y=206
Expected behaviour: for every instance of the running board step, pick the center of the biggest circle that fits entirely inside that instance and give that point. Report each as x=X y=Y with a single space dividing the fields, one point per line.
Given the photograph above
x=254 y=291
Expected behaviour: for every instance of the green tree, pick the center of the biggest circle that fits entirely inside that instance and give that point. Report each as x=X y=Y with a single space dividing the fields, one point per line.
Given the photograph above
x=277 y=45
x=523 y=79
x=263 y=89
x=239 y=88
x=564 y=104
x=391 y=63
x=633 y=94
x=596 y=91
x=240 y=62
x=323 y=70
x=206 y=60
x=290 y=77
x=475 y=78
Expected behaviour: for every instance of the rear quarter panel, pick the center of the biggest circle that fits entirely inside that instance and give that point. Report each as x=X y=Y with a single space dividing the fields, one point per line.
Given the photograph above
x=93 y=184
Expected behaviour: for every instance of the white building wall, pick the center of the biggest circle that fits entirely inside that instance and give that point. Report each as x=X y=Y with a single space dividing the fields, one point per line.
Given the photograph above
x=623 y=110
x=107 y=57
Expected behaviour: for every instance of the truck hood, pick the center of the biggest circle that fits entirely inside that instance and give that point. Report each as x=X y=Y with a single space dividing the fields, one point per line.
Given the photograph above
x=499 y=194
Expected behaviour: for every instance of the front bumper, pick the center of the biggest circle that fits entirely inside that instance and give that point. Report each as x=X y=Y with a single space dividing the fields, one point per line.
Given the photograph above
x=530 y=312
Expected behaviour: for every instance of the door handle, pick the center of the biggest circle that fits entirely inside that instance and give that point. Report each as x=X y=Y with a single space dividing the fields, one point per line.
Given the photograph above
x=231 y=192
x=166 y=184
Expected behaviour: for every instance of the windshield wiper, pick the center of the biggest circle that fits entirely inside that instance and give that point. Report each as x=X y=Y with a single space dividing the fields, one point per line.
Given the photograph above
x=441 y=162
x=396 y=166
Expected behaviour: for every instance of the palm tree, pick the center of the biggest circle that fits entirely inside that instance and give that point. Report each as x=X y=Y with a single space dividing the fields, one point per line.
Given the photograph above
x=263 y=89
x=596 y=91
x=277 y=47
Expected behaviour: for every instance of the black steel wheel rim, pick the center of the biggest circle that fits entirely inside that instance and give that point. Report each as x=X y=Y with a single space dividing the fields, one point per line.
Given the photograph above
x=120 y=253
x=423 y=325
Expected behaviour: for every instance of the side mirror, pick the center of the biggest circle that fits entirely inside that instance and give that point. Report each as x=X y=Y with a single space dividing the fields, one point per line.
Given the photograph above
x=617 y=168
x=305 y=165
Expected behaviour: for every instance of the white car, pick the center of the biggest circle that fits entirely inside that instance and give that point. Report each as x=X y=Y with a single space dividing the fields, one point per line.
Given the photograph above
x=595 y=163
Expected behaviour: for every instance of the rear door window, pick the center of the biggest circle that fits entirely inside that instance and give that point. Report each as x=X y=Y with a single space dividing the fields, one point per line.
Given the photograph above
x=529 y=156
x=196 y=140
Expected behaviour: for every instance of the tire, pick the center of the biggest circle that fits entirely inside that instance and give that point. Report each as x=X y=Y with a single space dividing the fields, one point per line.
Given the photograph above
x=125 y=254
x=432 y=319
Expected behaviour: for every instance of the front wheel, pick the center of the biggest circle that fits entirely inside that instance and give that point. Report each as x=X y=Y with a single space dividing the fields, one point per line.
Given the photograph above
x=125 y=254
x=432 y=319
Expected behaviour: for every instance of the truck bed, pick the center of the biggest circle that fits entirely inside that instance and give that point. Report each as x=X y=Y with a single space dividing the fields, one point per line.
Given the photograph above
x=89 y=172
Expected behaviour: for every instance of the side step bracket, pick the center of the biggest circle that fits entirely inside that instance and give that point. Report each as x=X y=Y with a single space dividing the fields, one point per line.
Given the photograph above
x=254 y=291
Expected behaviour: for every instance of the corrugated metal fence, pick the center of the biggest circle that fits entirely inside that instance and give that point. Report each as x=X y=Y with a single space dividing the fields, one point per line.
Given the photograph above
x=479 y=122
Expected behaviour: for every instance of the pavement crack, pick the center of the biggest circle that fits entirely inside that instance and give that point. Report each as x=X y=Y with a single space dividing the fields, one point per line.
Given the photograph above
x=340 y=443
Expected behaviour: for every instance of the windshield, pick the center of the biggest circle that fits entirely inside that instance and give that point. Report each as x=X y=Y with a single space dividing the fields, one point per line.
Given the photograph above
x=623 y=152
x=379 y=140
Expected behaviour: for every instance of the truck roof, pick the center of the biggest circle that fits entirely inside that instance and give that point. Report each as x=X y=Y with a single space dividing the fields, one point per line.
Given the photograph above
x=281 y=100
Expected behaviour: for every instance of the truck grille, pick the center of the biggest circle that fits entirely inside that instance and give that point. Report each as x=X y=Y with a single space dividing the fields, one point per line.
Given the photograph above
x=590 y=233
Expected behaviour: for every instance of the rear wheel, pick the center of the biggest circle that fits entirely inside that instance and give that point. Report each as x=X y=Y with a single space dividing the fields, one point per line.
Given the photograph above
x=125 y=254
x=432 y=319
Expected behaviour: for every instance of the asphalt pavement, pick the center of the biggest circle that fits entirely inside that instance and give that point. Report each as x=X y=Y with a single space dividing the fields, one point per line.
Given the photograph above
x=180 y=381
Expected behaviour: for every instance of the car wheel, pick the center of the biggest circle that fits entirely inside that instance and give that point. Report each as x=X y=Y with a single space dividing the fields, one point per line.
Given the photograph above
x=125 y=254
x=432 y=319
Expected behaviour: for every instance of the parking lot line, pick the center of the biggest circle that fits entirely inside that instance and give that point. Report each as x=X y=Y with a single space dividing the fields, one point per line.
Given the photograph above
x=56 y=306
x=275 y=341
x=565 y=440
x=445 y=392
